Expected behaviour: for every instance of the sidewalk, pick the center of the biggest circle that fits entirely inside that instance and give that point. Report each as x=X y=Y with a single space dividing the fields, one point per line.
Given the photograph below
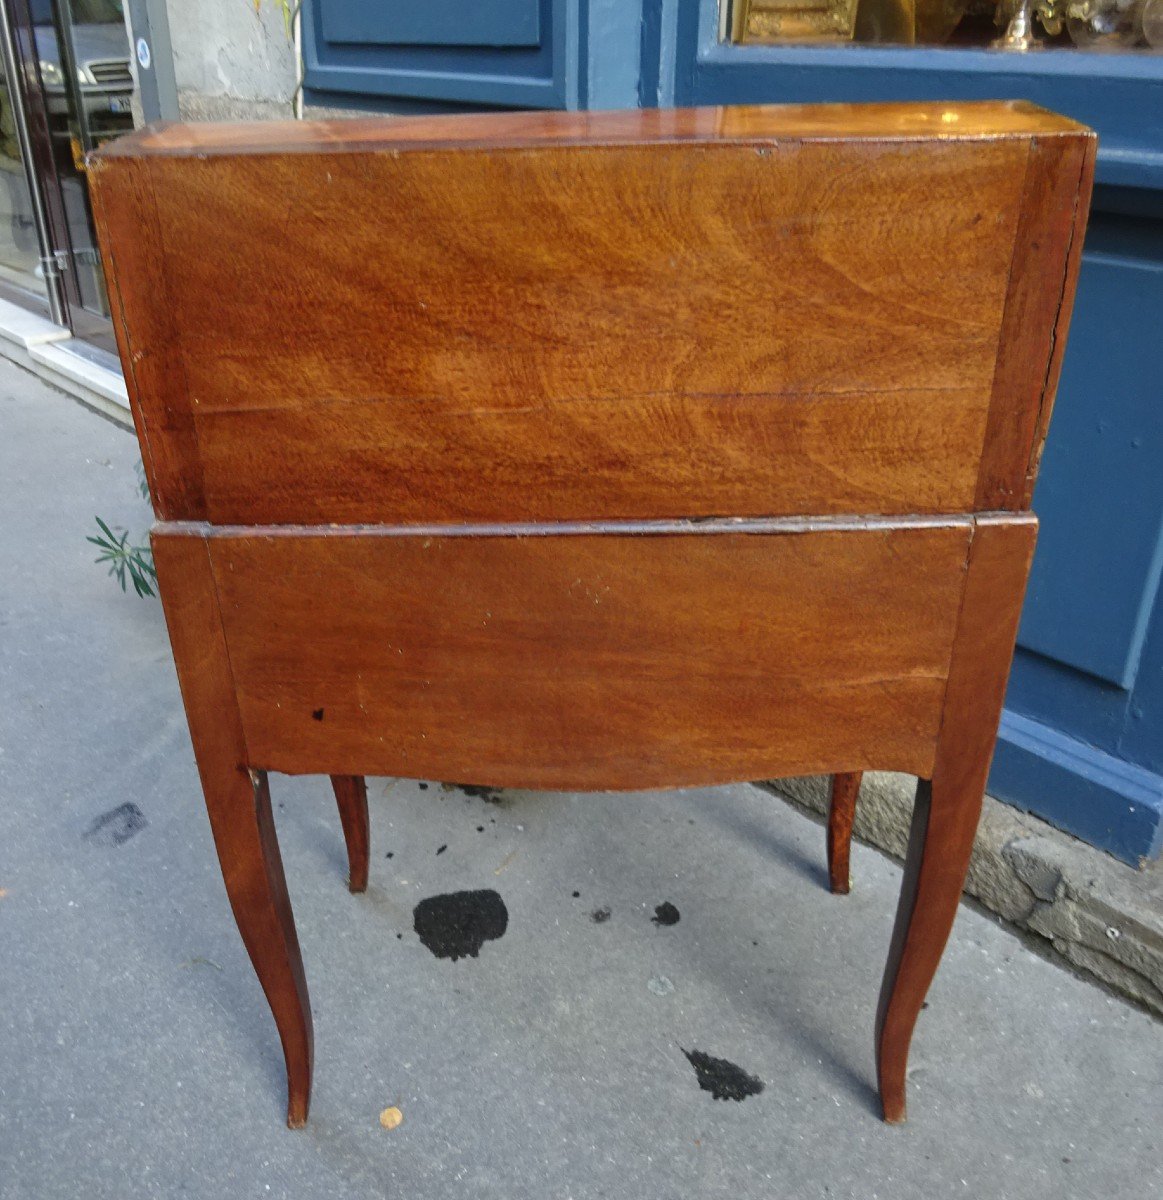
x=139 y=1059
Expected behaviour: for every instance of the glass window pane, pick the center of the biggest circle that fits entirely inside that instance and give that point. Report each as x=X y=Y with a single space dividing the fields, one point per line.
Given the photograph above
x=1132 y=26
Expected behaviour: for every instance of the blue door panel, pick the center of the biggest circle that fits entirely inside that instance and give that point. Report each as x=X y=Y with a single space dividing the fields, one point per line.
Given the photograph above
x=436 y=23
x=1098 y=797
x=1100 y=492
x=1091 y=708
x=1142 y=737
x=511 y=53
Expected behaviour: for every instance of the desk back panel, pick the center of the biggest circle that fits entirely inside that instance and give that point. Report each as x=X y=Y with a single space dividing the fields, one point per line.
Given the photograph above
x=580 y=658
x=750 y=312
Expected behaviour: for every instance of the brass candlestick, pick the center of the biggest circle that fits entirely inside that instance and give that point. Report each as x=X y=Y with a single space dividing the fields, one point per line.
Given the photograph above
x=1019 y=37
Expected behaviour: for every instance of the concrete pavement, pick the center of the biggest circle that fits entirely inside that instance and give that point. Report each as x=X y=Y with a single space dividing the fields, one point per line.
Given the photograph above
x=137 y=1056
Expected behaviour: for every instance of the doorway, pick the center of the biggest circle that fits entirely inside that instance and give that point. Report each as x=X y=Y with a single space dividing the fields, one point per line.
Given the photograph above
x=72 y=58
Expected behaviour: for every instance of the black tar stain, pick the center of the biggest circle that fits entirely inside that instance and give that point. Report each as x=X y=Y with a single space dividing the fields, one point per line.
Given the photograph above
x=317 y=713
x=458 y=924
x=723 y=1079
x=423 y=787
x=665 y=914
x=600 y=916
x=442 y=849
x=490 y=795
x=116 y=826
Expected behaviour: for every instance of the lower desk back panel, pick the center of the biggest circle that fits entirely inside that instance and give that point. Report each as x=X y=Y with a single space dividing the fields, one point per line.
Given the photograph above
x=586 y=660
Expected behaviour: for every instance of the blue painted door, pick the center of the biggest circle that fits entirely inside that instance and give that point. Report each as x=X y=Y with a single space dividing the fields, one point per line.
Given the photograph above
x=1081 y=742
x=1082 y=738
x=399 y=54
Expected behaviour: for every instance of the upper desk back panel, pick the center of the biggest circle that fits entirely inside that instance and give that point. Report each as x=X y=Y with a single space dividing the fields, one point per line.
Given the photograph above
x=649 y=314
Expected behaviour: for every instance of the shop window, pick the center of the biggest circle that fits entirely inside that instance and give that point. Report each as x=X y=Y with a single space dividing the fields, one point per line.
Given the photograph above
x=1017 y=25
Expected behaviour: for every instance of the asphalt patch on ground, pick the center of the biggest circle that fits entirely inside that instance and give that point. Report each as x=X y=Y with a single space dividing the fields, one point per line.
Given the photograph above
x=457 y=924
x=116 y=826
x=723 y=1079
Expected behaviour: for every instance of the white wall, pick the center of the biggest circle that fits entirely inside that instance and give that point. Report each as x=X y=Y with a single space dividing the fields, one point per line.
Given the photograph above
x=231 y=61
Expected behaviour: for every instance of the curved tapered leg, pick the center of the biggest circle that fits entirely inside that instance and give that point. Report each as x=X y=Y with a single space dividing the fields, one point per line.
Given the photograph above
x=351 y=796
x=841 y=815
x=947 y=808
x=940 y=843
x=252 y=868
x=238 y=802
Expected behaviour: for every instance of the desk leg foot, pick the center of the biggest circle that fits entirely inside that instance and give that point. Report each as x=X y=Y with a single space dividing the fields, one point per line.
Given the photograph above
x=351 y=796
x=940 y=843
x=841 y=815
x=244 y=832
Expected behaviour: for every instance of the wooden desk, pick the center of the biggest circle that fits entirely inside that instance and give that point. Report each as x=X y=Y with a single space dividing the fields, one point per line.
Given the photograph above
x=594 y=451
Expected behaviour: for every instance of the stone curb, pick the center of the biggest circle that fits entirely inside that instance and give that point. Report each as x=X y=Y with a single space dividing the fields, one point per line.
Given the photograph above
x=1101 y=916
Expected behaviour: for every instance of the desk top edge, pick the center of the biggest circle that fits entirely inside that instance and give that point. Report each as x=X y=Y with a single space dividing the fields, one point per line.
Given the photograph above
x=978 y=120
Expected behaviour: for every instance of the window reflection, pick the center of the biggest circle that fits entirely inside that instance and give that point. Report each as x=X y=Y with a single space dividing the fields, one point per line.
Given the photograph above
x=1128 y=25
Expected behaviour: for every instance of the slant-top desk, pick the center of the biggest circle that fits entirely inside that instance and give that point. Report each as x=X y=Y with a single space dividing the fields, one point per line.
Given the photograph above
x=590 y=451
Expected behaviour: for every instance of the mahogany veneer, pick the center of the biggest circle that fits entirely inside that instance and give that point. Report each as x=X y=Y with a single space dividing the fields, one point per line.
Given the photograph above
x=582 y=451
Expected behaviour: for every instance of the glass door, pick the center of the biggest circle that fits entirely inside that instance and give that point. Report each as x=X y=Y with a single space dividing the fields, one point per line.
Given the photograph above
x=83 y=56
x=79 y=92
x=22 y=274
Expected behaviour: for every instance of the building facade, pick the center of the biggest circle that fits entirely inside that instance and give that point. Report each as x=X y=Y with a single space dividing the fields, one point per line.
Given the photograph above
x=1082 y=738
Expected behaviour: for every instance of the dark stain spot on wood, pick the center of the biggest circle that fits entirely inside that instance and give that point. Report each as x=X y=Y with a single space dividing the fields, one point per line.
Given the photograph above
x=723 y=1079
x=117 y=826
x=665 y=914
x=317 y=713
x=600 y=915
x=457 y=924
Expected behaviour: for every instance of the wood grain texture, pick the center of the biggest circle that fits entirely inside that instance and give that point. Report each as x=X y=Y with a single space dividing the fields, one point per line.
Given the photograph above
x=841 y=817
x=148 y=342
x=1038 y=304
x=1061 y=319
x=622 y=316
x=925 y=121
x=649 y=456
x=238 y=803
x=948 y=805
x=575 y=662
x=549 y=308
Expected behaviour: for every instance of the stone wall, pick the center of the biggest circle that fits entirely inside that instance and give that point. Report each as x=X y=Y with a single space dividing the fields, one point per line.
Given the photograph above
x=232 y=61
x=1099 y=915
